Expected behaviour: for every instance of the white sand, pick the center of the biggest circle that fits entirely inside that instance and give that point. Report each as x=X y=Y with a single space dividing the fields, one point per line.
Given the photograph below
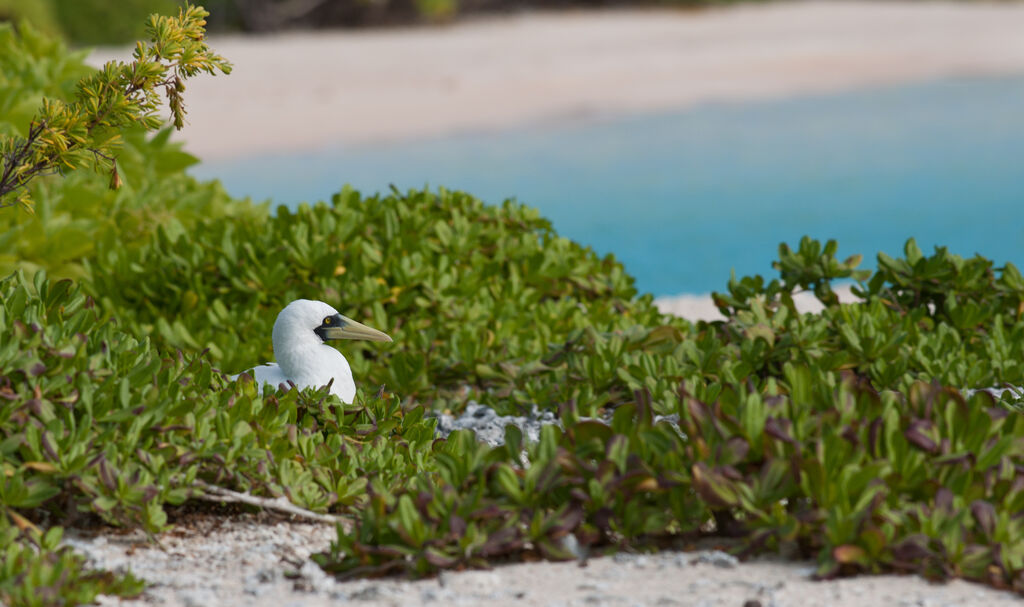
x=238 y=561
x=700 y=307
x=300 y=90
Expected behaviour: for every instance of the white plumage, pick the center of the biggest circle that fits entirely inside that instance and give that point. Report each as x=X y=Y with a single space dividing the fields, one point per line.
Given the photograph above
x=303 y=357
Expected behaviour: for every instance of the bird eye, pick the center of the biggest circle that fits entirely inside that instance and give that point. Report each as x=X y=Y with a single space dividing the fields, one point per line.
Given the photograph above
x=327 y=320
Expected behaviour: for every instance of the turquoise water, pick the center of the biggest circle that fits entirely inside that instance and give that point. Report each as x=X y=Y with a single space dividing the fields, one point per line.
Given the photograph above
x=683 y=198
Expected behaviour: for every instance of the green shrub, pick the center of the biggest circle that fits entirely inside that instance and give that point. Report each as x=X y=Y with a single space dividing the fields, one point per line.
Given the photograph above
x=487 y=303
x=36 y=571
x=939 y=317
x=80 y=399
x=473 y=295
x=93 y=420
x=903 y=467
x=923 y=482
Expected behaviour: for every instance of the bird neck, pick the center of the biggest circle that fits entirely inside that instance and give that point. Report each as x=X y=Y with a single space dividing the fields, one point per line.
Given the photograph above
x=311 y=364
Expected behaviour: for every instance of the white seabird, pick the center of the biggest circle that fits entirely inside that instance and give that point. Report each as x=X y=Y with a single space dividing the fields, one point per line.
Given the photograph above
x=303 y=357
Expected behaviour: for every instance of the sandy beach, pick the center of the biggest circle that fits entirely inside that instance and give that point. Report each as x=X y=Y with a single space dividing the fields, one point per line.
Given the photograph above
x=300 y=91
x=244 y=560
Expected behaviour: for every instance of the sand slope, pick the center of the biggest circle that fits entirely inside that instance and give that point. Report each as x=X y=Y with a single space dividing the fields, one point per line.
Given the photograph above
x=301 y=90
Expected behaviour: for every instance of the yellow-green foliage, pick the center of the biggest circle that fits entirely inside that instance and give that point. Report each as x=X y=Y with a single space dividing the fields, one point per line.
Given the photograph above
x=65 y=135
x=77 y=214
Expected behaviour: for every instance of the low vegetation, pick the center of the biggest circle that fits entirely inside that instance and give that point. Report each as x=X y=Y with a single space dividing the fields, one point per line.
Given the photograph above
x=843 y=436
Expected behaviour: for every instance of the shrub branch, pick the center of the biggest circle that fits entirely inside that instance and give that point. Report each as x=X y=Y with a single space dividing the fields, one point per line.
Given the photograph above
x=87 y=130
x=214 y=493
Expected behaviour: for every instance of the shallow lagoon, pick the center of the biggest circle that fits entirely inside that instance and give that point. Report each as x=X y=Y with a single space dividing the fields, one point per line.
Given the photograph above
x=683 y=198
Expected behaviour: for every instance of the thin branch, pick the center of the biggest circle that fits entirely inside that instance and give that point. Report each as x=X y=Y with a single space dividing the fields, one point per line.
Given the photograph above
x=280 y=504
x=98 y=154
x=16 y=156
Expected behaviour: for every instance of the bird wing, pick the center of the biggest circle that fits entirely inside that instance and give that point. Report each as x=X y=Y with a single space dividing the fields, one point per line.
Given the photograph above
x=334 y=366
x=268 y=373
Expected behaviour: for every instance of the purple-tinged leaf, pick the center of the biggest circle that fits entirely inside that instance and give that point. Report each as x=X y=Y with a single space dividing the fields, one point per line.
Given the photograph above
x=107 y=476
x=712 y=487
x=915 y=435
x=47 y=442
x=779 y=429
x=438 y=559
x=984 y=515
x=911 y=550
x=874 y=431
x=457 y=525
x=567 y=522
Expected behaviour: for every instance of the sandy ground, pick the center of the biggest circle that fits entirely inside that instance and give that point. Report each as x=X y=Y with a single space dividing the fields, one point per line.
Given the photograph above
x=301 y=91
x=243 y=560
x=700 y=307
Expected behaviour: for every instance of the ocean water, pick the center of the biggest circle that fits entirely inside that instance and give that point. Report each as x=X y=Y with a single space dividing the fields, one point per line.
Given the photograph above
x=683 y=198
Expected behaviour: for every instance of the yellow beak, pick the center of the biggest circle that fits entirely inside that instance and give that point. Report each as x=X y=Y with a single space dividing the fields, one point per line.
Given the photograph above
x=350 y=329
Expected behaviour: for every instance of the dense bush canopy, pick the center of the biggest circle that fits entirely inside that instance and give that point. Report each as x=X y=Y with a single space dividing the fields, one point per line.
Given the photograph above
x=843 y=436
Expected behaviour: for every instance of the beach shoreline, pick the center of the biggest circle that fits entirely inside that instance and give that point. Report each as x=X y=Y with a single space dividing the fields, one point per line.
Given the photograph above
x=305 y=91
x=310 y=90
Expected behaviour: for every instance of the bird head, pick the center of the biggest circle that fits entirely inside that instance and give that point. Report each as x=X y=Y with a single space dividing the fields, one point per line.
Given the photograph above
x=307 y=322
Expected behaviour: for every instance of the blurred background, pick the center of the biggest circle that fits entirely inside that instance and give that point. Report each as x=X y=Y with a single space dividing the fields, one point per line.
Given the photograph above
x=109 y=22
x=686 y=138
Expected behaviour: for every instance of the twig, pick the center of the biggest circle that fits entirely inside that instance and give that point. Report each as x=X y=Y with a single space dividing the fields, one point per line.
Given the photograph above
x=280 y=504
x=15 y=157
